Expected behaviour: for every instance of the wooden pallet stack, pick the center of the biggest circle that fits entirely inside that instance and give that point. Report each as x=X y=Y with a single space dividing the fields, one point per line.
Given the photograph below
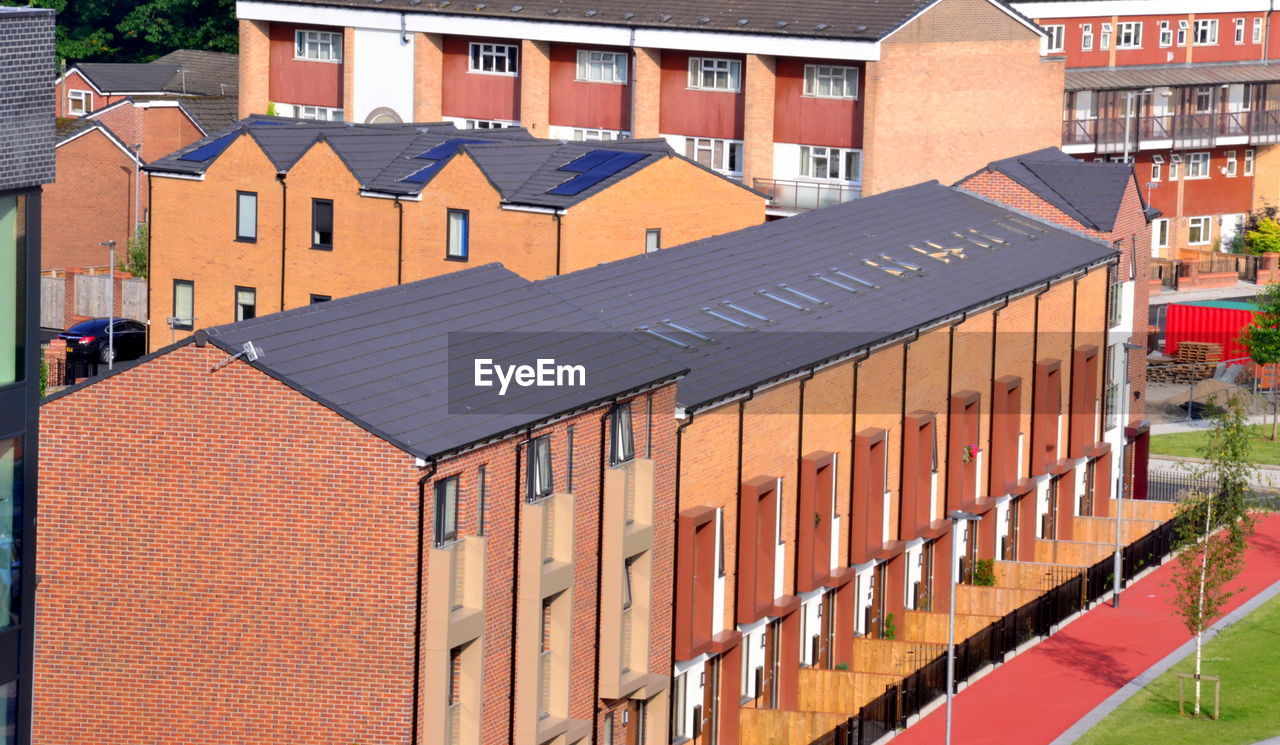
x=1196 y=361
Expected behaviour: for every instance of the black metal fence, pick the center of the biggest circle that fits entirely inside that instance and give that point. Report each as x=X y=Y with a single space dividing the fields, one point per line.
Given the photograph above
x=993 y=644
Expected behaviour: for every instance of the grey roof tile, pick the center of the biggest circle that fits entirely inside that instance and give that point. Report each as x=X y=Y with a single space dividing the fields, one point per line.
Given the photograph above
x=1091 y=193
x=185 y=71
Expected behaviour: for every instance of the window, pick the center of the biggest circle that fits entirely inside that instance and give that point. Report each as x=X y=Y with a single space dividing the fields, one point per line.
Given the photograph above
x=1157 y=165
x=652 y=240
x=598 y=135
x=1239 y=30
x=322 y=224
x=1206 y=32
x=11 y=489
x=246 y=216
x=602 y=67
x=1257 y=30
x=487 y=124
x=1166 y=34
x=622 y=446
x=13 y=289
x=1248 y=162
x=626 y=583
x=568 y=459
x=79 y=102
x=320 y=46
x=1056 y=33
x=317 y=299
x=318 y=113
x=1104 y=41
x=184 y=301
x=712 y=74
x=446 y=510
x=1086 y=37
x=1115 y=304
x=1175 y=165
x=1182 y=33
x=1160 y=233
x=246 y=303
x=679 y=715
x=538 y=478
x=721 y=155
x=458 y=238
x=830 y=163
x=1199 y=230
x=1204 y=100
x=1197 y=165
x=482 y=498
x=1129 y=35
x=828 y=81
x=1231 y=163
x=493 y=59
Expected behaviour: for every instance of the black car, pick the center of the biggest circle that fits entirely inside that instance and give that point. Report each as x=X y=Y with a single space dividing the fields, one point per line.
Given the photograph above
x=88 y=339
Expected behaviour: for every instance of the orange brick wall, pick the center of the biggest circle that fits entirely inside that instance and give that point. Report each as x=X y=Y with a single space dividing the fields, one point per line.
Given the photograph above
x=255 y=67
x=92 y=201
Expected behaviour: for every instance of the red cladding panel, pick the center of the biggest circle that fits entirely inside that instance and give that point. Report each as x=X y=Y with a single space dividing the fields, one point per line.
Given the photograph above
x=302 y=81
x=592 y=105
x=477 y=95
x=807 y=120
x=697 y=113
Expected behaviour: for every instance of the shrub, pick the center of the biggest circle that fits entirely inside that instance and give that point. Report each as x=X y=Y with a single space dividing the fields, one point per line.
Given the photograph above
x=984 y=572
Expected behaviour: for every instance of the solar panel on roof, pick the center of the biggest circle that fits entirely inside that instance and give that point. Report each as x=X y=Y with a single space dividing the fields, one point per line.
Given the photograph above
x=265 y=124
x=447 y=148
x=423 y=175
x=211 y=150
x=587 y=162
x=597 y=173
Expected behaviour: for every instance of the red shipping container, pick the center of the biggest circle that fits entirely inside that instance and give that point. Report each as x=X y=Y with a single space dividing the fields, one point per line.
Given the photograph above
x=1214 y=321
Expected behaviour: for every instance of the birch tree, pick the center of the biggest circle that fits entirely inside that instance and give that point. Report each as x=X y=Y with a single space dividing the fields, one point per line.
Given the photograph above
x=1212 y=527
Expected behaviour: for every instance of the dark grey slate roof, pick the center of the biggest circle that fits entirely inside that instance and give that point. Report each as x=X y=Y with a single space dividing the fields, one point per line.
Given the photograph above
x=185 y=71
x=834 y=19
x=806 y=253
x=383 y=359
x=1089 y=192
x=212 y=113
x=1137 y=77
x=382 y=156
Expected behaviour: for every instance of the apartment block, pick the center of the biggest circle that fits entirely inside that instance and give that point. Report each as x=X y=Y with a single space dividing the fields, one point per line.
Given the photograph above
x=813 y=105
x=492 y=577
x=26 y=164
x=1185 y=91
x=275 y=214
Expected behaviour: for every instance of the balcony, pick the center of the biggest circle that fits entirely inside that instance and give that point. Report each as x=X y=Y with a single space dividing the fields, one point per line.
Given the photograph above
x=801 y=196
x=1176 y=131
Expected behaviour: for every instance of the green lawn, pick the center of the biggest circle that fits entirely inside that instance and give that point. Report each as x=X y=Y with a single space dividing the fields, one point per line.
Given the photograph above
x=1246 y=656
x=1187 y=444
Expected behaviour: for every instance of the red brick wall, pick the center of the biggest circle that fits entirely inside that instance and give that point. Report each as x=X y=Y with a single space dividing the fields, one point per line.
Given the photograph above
x=92 y=201
x=223 y=560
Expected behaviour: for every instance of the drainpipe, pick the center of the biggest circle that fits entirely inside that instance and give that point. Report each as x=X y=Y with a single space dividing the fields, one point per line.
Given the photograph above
x=1266 y=33
x=1075 y=298
x=284 y=231
x=399 y=240
x=951 y=355
x=676 y=554
x=902 y=420
x=605 y=461
x=150 y=268
x=417 y=615
x=515 y=585
x=853 y=449
x=557 y=217
x=991 y=396
x=742 y=408
x=795 y=580
x=1035 y=360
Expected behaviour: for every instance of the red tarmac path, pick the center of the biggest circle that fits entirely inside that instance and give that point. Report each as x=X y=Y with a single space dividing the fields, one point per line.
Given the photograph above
x=1038 y=695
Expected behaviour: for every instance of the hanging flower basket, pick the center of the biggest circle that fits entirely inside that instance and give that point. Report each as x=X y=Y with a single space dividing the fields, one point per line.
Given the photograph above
x=969 y=452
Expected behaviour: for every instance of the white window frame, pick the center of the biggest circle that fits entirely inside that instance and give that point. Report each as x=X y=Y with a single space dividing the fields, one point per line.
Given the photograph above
x=317 y=113
x=1206 y=226
x=729 y=153
x=598 y=66
x=581 y=134
x=1257 y=30
x=1198 y=166
x=1104 y=41
x=1183 y=26
x=306 y=40
x=1166 y=34
x=845 y=77
x=1175 y=167
x=1157 y=167
x=480 y=52
x=1057 y=36
x=1129 y=35
x=1086 y=37
x=1239 y=31
x=1248 y=161
x=1204 y=90
x=83 y=98
x=846 y=159
x=1210 y=36
x=1232 y=167
x=1160 y=232
x=700 y=67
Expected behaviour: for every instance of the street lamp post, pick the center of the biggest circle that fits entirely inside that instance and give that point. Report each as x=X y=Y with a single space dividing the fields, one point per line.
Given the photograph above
x=111 y=302
x=956 y=517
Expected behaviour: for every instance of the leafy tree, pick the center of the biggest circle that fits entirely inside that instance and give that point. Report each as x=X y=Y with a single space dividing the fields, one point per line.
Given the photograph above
x=1212 y=527
x=139 y=31
x=1262 y=336
x=134 y=260
x=1264 y=238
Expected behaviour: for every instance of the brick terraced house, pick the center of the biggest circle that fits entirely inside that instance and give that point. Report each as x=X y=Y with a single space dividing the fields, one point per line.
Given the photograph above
x=182 y=74
x=848 y=376
x=274 y=214
x=344 y=558
x=813 y=103
x=1187 y=90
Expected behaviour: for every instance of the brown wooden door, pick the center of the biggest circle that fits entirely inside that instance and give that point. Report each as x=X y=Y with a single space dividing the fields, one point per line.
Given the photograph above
x=633 y=722
x=769 y=697
x=828 y=637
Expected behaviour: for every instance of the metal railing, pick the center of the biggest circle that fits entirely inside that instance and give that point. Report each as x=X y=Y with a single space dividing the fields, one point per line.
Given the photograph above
x=1245 y=266
x=544 y=683
x=458 y=589
x=1184 y=130
x=801 y=196
x=626 y=639
x=548 y=531
x=1165 y=270
x=453 y=721
x=1036 y=619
